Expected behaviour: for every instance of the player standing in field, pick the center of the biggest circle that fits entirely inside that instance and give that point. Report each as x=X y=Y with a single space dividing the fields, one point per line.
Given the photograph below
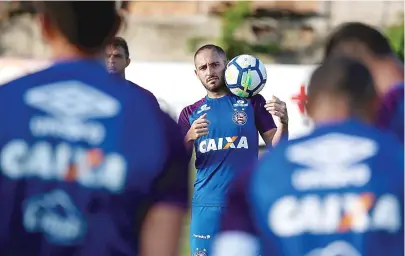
x=368 y=45
x=223 y=129
x=117 y=60
x=88 y=165
x=117 y=56
x=337 y=191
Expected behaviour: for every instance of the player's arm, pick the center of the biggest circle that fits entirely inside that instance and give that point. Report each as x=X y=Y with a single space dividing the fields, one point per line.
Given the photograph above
x=265 y=124
x=162 y=226
x=193 y=131
x=238 y=235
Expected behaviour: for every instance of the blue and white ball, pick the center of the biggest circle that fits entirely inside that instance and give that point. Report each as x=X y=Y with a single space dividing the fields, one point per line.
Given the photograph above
x=245 y=76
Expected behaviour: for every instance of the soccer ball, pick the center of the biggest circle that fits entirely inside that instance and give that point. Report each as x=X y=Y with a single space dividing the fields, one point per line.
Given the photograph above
x=245 y=76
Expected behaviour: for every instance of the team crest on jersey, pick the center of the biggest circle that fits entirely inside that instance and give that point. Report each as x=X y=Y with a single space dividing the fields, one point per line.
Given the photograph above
x=200 y=253
x=239 y=117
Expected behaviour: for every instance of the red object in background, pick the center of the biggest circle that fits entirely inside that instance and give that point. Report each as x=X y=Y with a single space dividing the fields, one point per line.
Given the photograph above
x=301 y=99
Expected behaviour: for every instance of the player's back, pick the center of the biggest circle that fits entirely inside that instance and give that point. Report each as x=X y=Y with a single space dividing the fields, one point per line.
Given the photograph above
x=81 y=151
x=338 y=191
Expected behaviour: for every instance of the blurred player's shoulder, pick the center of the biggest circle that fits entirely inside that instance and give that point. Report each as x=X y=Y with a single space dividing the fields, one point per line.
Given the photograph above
x=147 y=92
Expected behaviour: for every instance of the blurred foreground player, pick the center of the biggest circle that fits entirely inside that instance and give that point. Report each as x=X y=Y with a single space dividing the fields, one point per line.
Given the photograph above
x=368 y=45
x=89 y=166
x=337 y=191
x=223 y=129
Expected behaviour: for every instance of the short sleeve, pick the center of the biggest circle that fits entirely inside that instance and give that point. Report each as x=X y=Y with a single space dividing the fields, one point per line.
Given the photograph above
x=184 y=122
x=172 y=185
x=237 y=216
x=263 y=119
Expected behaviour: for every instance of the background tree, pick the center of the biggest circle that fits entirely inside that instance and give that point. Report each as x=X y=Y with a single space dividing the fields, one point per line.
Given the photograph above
x=395 y=34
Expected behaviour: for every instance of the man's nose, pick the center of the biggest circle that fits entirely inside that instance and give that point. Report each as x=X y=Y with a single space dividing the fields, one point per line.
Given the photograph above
x=210 y=70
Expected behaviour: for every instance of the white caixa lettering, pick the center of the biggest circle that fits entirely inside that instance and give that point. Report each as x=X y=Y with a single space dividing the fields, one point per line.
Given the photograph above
x=208 y=145
x=334 y=214
x=89 y=167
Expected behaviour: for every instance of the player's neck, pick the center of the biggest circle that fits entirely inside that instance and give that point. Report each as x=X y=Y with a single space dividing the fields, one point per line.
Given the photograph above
x=327 y=110
x=62 y=51
x=387 y=72
x=217 y=95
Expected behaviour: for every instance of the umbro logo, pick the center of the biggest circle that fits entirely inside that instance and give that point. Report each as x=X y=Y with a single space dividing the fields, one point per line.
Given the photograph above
x=72 y=99
x=73 y=106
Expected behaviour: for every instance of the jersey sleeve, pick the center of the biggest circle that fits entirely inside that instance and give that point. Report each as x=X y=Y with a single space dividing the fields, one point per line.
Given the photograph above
x=184 y=122
x=172 y=185
x=263 y=119
x=237 y=216
x=390 y=116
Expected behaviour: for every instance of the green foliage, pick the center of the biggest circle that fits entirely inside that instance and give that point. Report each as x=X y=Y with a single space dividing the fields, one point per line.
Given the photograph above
x=232 y=19
x=395 y=34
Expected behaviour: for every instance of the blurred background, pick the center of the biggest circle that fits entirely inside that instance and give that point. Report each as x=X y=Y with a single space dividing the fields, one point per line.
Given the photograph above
x=287 y=36
x=289 y=32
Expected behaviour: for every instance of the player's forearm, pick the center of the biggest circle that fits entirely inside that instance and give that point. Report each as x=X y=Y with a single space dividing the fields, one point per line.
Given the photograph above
x=281 y=132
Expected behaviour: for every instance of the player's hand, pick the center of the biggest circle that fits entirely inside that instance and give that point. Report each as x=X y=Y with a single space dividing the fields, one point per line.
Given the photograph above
x=199 y=128
x=276 y=107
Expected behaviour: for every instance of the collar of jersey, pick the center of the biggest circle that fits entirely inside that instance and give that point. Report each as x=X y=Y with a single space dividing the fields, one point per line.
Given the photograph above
x=216 y=99
x=80 y=62
x=331 y=123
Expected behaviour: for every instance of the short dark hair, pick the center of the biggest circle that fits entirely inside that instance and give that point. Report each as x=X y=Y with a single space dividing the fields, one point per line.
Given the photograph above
x=120 y=42
x=86 y=24
x=343 y=76
x=210 y=47
x=357 y=32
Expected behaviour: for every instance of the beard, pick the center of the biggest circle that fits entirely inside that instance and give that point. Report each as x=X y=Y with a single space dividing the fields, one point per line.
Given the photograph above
x=214 y=85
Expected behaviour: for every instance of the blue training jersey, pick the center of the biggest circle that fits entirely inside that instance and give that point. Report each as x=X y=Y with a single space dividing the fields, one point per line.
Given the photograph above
x=231 y=144
x=391 y=114
x=338 y=191
x=83 y=156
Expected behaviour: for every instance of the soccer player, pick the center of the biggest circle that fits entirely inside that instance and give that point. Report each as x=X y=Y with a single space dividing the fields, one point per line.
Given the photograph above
x=223 y=129
x=337 y=191
x=117 y=60
x=117 y=56
x=368 y=45
x=88 y=165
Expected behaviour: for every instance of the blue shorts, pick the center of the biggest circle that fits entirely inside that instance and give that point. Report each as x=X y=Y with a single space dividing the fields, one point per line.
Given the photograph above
x=205 y=224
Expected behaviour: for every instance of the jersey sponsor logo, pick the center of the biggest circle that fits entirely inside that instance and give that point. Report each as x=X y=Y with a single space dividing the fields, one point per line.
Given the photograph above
x=91 y=168
x=240 y=103
x=336 y=248
x=335 y=214
x=202 y=236
x=234 y=142
x=239 y=117
x=203 y=108
x=331 y=161
x=54 y=215
x=72 y=104
x=202 y=252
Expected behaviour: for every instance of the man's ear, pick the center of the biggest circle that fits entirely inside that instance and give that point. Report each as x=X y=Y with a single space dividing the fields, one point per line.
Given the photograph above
x=128 y=62
x=195 y=72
